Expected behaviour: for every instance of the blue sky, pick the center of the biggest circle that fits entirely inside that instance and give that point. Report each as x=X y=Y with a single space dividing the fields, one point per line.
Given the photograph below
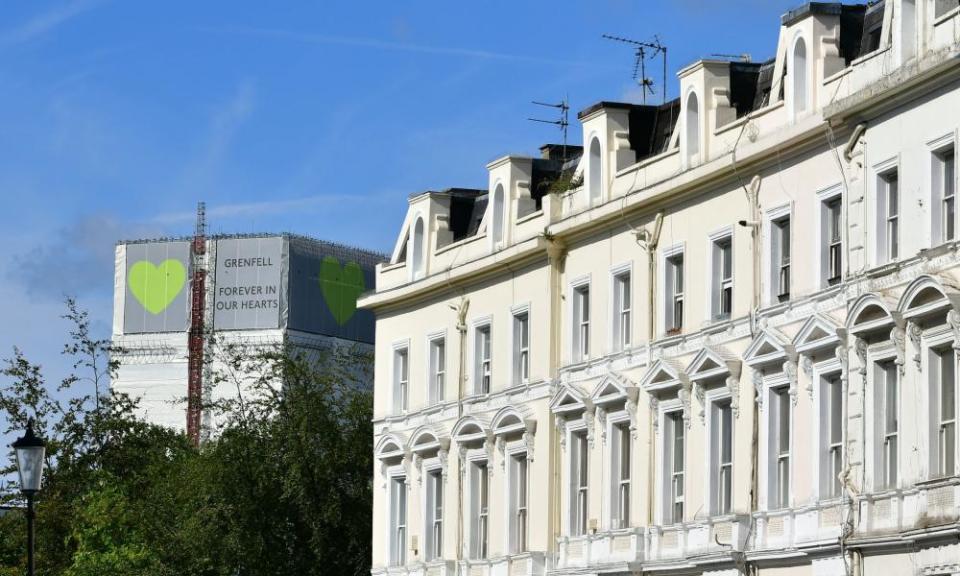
x=311 y=117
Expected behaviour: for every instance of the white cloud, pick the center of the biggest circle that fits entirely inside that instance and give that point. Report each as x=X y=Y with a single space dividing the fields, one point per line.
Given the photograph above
x=47 y=22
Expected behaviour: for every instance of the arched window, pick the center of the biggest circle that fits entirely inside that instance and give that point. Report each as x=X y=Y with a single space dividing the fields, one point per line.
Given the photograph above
x=800 y=74
x=595 y=172
x=417 y=251
x=498 y=214
x=692 y=123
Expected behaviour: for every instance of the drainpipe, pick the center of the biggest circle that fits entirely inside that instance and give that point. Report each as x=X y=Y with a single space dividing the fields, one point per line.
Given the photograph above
x=650 y=241
x=556 y=254
x=461 y=311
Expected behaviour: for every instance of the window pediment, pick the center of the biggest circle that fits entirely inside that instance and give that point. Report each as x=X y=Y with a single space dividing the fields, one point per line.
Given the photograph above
x=425 y=440
x=613 y=389
x=512 y=420
x=871 y=314
x=818 y=333
x=712 y=363
x=390 y=447
x=570 y=400
x=768 y=347
x=470 y=430
x=664 y=377
x=928 y=296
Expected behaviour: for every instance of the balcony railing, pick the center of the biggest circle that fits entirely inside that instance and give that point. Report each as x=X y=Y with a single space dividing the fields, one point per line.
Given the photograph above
x=721 y=534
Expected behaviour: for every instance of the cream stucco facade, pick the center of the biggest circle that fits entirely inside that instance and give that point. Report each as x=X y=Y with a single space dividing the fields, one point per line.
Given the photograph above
x=732 y=351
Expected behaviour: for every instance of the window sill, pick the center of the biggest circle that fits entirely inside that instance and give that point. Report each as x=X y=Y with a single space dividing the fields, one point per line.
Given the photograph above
x=938 y=482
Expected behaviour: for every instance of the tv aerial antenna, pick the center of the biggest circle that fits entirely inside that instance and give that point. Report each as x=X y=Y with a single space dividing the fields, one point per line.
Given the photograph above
x=644 y=51
x=562 y=122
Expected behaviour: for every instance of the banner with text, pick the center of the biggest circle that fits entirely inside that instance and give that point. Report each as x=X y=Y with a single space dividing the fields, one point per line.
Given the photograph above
x=249 y=291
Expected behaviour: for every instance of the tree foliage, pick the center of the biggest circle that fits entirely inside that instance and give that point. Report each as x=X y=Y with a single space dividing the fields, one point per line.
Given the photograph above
x=281 y=486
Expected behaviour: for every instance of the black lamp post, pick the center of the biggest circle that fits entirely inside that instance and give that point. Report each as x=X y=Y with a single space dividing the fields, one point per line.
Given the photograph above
x=30 y=451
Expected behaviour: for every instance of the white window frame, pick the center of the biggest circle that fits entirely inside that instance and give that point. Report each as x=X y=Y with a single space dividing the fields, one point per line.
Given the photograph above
x=671 y=298
x=719 y=284
x=436 y=367
x=398 y=523
x=830 y=449
x=520 y=353
x=621 y=477
x=777 y=463
x=934 y=341
x=433 y=509
x=886 y=473
x=671 y=419
x=886 y=222
x=580 y=337
x=718 y=401
x=400 y=378
x=621 y=318
x=483 y=356
x=578 y=496
x=823 y=199
x=773 y=248
x=518 y=491
x=935 y=184
x=479 y=472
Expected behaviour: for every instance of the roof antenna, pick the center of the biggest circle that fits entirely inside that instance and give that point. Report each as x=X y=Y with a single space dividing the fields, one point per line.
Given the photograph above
x=644 y=50
x=562 y=123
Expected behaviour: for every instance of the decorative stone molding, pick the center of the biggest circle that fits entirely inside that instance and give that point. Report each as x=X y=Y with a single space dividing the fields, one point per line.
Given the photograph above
x=758 y=388
x=588 y=419
x=561 y=425
x=790 y=371
x=489 y=446
x=528 y=442
x=860 y=345
x=684 y=395
x=733 y=386
x=654 y=408
x=383 y=474
x=501 y=444
x=443 y=456
x=418 y=467
x=898 y=337
x=806 y=364
x=602 y=422
x=953 y=319
x=631 y=407
x=701 y=395
x=462 y=452
x=914 y=331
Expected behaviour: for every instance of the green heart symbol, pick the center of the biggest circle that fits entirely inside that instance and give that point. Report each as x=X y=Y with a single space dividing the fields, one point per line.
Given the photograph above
x=341 y=287
x=155 y=287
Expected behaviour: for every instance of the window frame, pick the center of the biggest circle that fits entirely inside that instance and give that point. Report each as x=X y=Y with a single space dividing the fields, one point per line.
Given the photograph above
x=518 y=491
x=580 y=294
x=775 y=266
x=673 y=265
x=887 y=246
x=719 y=402
x=520 y=351
x=827 y=243
x=943 y=459
x=674 y=479
x=829 y=398
x=399 y=516
x=939 y=151
x=436 y=367
x=620 y=476
x=721 y=287
x=778 y=469
x=434 y=502
x=483 y=356
x=621 y=319
x=579 y=479
x=400 y=377
x=885 y=473
x=479 y=495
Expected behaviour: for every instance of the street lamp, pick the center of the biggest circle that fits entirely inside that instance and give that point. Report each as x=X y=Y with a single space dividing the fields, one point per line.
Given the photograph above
x=30 y=451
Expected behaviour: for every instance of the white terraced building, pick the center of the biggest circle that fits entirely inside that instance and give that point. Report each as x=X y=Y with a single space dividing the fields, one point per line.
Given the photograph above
x=728 y=345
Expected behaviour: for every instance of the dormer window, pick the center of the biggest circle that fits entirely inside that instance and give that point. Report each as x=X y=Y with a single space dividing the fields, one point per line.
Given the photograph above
x=497 y=217
x=799 y=76
x=417 y=252
x=595 y=172
x=692 y=128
